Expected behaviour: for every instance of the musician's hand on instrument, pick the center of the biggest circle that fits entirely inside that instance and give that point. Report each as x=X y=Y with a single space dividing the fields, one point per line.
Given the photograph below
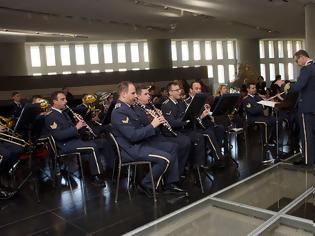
x=204 y=113
x=80 y=124
x=157 y=121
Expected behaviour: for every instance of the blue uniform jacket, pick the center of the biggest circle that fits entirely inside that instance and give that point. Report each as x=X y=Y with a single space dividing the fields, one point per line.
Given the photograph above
x=252 y=108
x=174 y=113
x=305 y=85
x=131 y=135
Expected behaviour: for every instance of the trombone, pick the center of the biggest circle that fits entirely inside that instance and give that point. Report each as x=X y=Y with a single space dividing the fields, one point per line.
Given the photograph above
x=14 y=140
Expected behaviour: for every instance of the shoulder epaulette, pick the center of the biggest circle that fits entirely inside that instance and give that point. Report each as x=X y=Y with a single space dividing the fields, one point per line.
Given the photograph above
x=117 y=105
x=166 y=101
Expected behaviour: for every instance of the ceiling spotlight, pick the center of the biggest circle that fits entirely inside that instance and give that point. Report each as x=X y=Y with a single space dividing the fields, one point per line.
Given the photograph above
x=269 y=31
x=136 y=2
x=165 y=7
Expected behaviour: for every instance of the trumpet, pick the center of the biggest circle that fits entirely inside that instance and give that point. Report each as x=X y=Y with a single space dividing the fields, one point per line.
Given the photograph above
x=78 y=117
x=157 y=113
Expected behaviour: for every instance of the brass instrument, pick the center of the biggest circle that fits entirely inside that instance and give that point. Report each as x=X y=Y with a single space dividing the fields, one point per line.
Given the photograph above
x=157 y=113
x=7 y=129
x=14 y=140
x=8 y=122
x=78 y=117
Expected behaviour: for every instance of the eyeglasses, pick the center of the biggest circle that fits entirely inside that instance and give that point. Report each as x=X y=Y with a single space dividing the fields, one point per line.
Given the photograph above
x=176 y=90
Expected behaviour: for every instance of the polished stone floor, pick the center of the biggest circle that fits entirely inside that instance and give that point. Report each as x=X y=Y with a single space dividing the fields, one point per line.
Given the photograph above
x=89 y=210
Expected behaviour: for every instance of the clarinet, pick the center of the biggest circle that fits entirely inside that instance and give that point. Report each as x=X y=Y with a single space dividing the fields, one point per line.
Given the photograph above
x=78 y=117
x=167 y=125
x=154 y=114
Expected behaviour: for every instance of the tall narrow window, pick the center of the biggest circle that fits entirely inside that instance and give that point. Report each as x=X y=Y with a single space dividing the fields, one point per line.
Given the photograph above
x=230 y=49
x=50 y=55
x=134 y=48
x=272 y=71
x=281 y=70
x=196 y=46
x=185 y=51
x=35 y=56
x=262 y=49
x=108 y=55
x=208 y=50
x=65 y=55
x=280 y=49
x=221 y=79
x=121 y=51
x=145 y=52
x=79 y=54
x=290 y=71
x=174 y=51
x=219 y=50
x=298 y=45
x=231 y=73
x=94 y=59
x=210 y=71
x=271 y=50
x=263 y=70
x=289 y=49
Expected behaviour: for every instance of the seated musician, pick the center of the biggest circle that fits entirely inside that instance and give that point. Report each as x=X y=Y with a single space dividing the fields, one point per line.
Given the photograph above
x=174 y=110
x=16 y=105
x=61 y=127
x=222 y=89
x=136 y=145
x=144 y=111
x=214 y=131
x=9 y=155
x=255 y=113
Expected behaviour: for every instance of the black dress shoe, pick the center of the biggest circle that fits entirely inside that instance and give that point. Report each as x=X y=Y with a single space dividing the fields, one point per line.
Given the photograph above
x=175 y=190
x=6 y=194
x=97 y=181
x=145 y=190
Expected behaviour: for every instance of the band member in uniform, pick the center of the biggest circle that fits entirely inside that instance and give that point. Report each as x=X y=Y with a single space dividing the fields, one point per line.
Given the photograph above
x=305 y=86
x=9 y=155
x=146 y=112
x=135 y=142
x=255 y=113
x=173 y=110
x=61 y=127
x=214 y=132
x=16 y=105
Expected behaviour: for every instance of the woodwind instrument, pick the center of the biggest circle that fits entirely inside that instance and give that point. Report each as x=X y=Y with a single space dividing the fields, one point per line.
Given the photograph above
x=157 y=113
x=78 y=117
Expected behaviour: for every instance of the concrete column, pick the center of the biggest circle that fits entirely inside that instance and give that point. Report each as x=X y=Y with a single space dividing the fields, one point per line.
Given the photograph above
x=12 y=59
x=248 y=52
x=310 y=29
x=160 y=53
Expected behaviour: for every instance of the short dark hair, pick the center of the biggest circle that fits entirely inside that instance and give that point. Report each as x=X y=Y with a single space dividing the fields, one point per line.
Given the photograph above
x=194 y=82
x=249 y=84
x=172 y=83
x=301 y=53
x=139 y=88
x=36 y=96
x=54 y=95
x=15 y=93
x=123 y=86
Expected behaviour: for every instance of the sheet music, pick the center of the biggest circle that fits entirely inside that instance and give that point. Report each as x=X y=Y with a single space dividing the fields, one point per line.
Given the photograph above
x=268 y=103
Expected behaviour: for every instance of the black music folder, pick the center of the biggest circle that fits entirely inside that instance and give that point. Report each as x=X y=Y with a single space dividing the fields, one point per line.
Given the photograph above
x=195 y=107
x=226 y=104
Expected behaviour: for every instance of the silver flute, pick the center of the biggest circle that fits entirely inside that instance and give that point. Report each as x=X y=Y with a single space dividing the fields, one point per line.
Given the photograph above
x=78 y=117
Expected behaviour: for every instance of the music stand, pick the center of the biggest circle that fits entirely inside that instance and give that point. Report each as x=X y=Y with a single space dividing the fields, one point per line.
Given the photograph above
x=194 y=109
x=26 y=119
x=225 y=104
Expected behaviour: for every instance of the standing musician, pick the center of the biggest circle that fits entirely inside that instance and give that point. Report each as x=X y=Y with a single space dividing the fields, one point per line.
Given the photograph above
x=173 y=110
x=255 y=113
x=136 y=145
x=214 y=132
x=61 y=127
x=305 y=86
x=9 y=155
x=146 y=112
